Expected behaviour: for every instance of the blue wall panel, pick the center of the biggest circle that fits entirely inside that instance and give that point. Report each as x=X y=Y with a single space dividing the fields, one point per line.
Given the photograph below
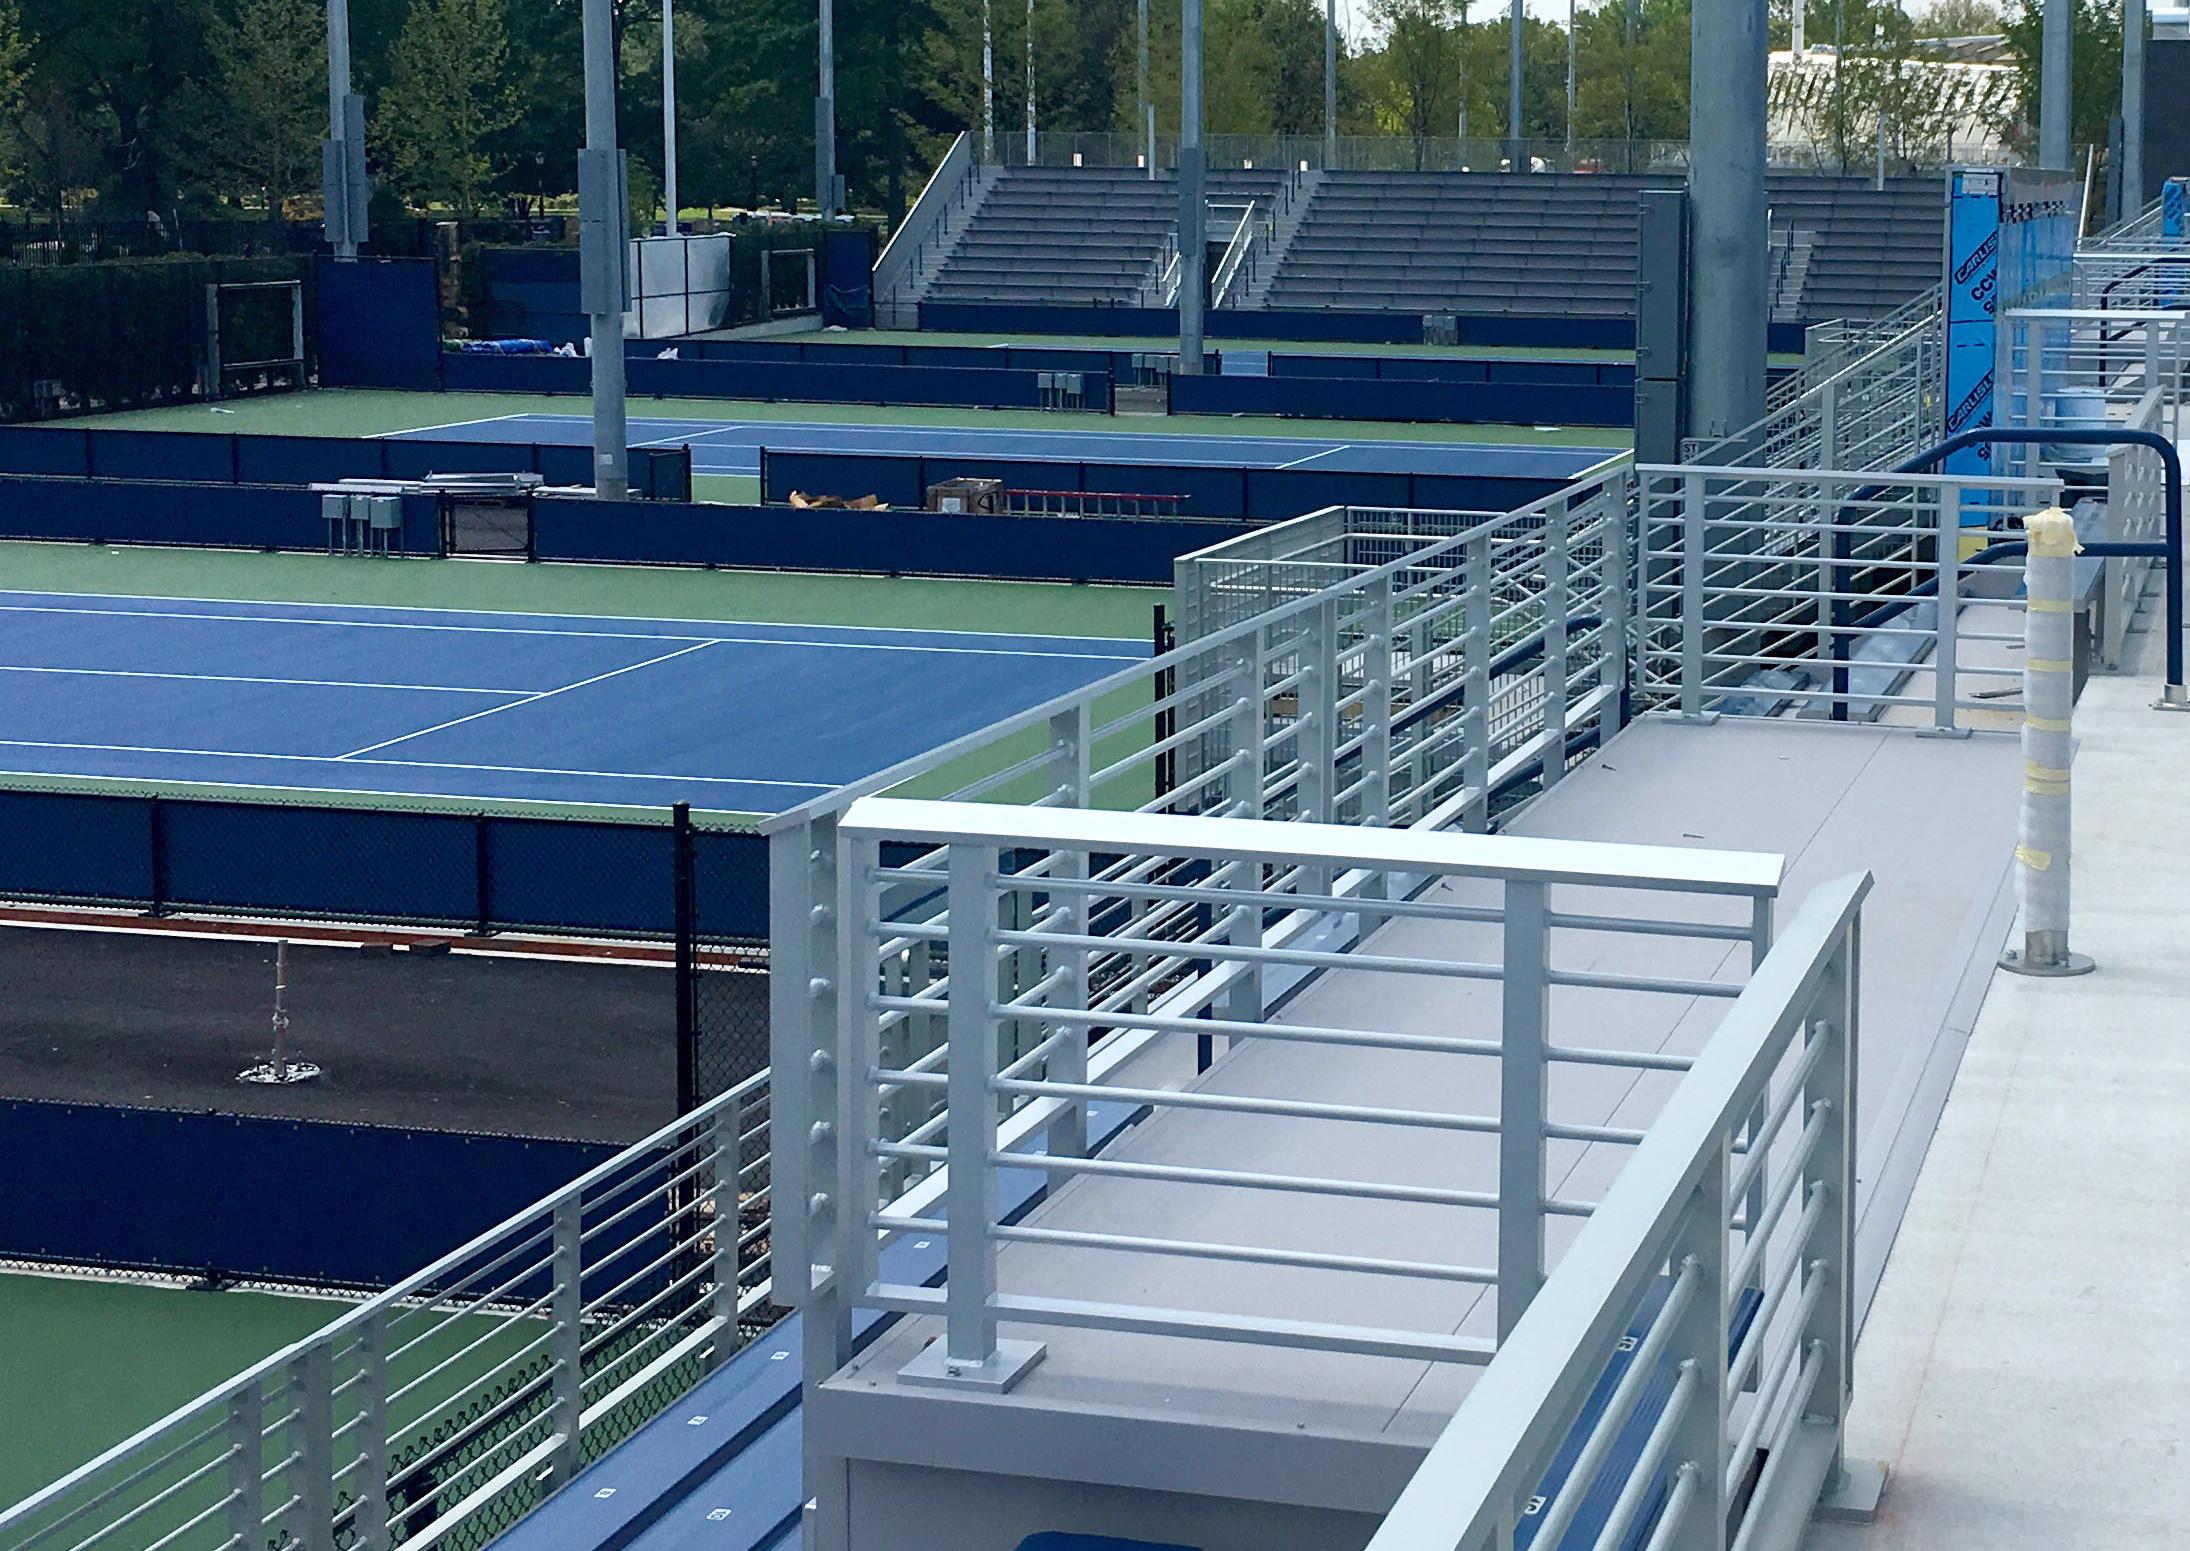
x=306 y=460
x=29 y=449
x=576 y=875
x=162 y=455
x=1460 y=403
x=76 y=846
x=290 y=1200
x=730 y=880
x=352 y=863
x=379 y=324
x=138 y=512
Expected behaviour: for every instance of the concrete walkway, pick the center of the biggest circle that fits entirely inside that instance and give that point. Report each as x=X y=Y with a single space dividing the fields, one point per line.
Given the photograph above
x=2025 y=1369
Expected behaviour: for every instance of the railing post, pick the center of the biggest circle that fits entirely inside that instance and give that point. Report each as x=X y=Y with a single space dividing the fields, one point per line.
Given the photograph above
x=305 y=1480
x=1760 y=1171
x=1069 y=735
x=726 y=1146
x=684 y=912
x=970 y=1353
x=2049 y=704
x=1243 y=787
x=369 y=1497
x=857 y=1124
x=246 y=1462
x=1697 y=1351
x=1475 y=617
x=1376 y=710
x=1946 y=671
x=1521 y=1067
x=1556 y=536
x=1693 y=561
x=1617 y=585
x=566 y=1341
x=1317 y=745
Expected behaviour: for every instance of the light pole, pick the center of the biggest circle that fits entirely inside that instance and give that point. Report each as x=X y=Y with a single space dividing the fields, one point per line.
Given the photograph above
x=2057 y=40
x=1516 y=152
x=342 y=158
x=669 y=117
x=2132 y=180
x=1193 y=246
x=603 y=207
x=1030 y=83
x=1726 y=330
x=1570 y=79
x=1330 y=83
x=825 y=117
x=988 y=85
x=1144 y=123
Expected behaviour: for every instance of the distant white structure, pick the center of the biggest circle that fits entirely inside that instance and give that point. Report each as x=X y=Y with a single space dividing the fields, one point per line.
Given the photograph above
x=1933 y=108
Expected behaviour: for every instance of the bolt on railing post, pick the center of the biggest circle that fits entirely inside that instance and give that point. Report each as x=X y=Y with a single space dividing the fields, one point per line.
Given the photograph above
x=1946 y=669
x=566 y=1340
x=2049 y=704
x=1526 y=989
x=1475 y=617
x=369 y=1499
x=1693 y=561
x=246 y=1464
x=305 y=1477
x=1697 y=1350
x=1376 y=750
x=1556 y=534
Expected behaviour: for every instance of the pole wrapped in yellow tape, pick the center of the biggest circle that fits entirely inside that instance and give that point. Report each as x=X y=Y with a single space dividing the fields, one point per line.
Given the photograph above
x=2049 y=703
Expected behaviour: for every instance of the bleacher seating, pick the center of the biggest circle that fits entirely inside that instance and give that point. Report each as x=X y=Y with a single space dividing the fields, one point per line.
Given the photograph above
x=1433 y=242
x=1495 y=242
x=1074 y=235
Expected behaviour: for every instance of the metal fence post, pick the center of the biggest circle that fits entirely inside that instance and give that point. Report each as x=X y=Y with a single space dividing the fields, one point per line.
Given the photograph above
x=156 y=825
x=1521 y=1066
x=726 y=1146
x=857 y=1123
x=566 y=1340
x=1376 y=748
x=246 y=1456
x=1946 y=671
x=307 y=1478
x=684 y=907
x=1070 y=734
x=969 y=1353
x=1317 y=745
x=1475 y=615
x=369 y=1497
x=482 y=875
x=1556 y=536
x=1693 y=562
x=1243 y=788
x=1697 y=1349
x=2049 y=704
x=1617 y=586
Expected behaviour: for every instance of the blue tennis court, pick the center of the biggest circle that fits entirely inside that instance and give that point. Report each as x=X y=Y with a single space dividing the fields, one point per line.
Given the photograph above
x=492 y=706
x=733 y=447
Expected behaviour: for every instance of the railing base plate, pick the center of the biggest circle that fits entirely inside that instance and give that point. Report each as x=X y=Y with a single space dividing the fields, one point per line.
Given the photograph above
x=1852 y=1496
x=2016 y=962
x=1010 y=1363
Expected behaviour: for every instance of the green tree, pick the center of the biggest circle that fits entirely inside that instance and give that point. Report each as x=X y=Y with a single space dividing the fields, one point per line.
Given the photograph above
x=14 y=74
x=2095 y=69
x=1632 y=71
x=258 y=117
x=1961 y=19
x=447 y=97
x=1418 y=73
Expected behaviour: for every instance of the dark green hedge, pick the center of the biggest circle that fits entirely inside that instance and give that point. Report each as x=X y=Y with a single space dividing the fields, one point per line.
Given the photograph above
x=127 y=334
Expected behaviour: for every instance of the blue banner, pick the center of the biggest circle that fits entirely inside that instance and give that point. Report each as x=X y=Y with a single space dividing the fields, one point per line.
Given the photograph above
x=1972 y=291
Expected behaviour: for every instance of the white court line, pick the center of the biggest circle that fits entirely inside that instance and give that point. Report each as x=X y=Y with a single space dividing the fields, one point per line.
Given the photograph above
x=395 y=764
x=446 y=425
x=1325 y=453
x=682 y=440
x=238 y=678
x=531 y=699
x=602 y=635
x=635 y=619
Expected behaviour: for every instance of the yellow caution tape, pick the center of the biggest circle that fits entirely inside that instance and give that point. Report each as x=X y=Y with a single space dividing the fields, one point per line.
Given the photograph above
x=2036 y=861
x=2051 y=606
x=2037 y=772
x=2048 y=665
x=2052 y=533
x=2048 y=724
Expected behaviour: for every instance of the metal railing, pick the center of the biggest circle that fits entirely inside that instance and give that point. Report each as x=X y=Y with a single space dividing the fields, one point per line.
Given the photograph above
x=1013 y=939
x=1245 y=238
x=1830 y=593
x=1872 y=403
x=1677 y=1268
x=2087 y=368
x=926 y=231
x=2136 y=513
x=442 y=1410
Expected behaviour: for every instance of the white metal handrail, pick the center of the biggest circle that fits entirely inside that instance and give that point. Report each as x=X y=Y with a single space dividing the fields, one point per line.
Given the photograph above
x=1035 y=918
x=462 y=1396
x=1789 y=1043
x=1236 y=251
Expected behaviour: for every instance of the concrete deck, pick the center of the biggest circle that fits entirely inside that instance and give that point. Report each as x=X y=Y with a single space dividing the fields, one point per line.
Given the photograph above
x=2025 y=1372
x=1329 y=1439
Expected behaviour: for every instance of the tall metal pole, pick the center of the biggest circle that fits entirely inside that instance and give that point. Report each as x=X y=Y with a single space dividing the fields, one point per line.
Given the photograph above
x=1144 y=120
x=1330 y=83
x=1030 y=83
x=1193 y=245
x=342 y=161
x=1570 y=80
x=2132 y=180
x=825 y=117
x=1517 y=151
x=2057 y=37
x=669 y=117
x=1728 y=241
x=988 y=85
x=603 y=211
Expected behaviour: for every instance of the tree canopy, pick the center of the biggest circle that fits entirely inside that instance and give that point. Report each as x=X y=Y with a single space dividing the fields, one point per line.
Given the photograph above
x=142 y=108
